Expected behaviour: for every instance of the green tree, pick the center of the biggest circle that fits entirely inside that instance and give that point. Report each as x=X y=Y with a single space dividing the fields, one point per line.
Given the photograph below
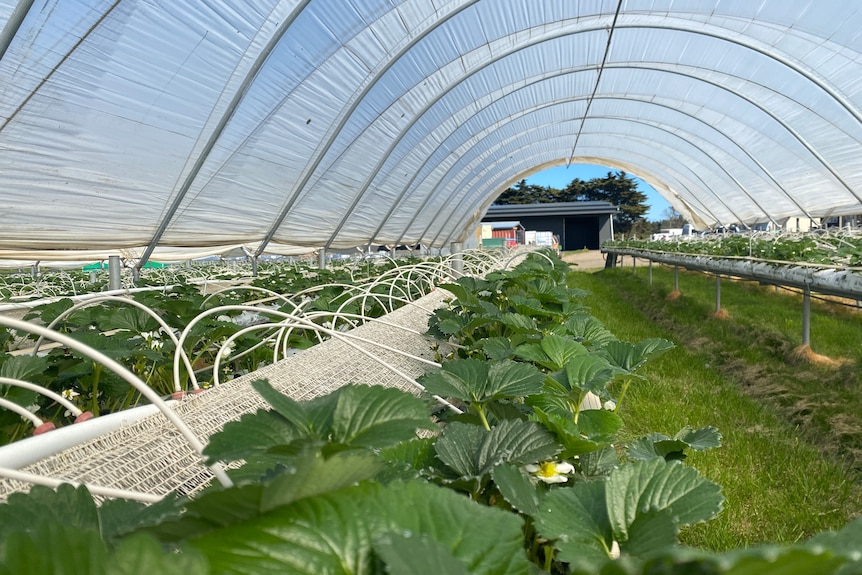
x=643 y=229
x=619 y=189
x=672 y=219
x=524 y=193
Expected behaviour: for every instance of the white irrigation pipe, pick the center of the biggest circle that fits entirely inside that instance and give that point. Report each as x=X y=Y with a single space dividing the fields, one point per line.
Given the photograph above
x=522 y=254
x=245 y=352
x=364 y=293
x=309 y=291
x=165 y=327
x=390 y=285
x=130 y=378
x=283 y=335
x=343 y=337
x=201 y=316
x=391 y=298
x=32 y=449
x=479 y=262
x=416 y=278
x=233 y=337
x=275 y=295
x=43 y=391
x=395 y=278
x=94 y=489
x=22 y=411
x=382 y=322
x=82 y=297
x=240 y=333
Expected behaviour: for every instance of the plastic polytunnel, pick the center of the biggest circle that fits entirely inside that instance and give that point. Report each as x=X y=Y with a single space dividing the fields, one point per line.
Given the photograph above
x=168 y=128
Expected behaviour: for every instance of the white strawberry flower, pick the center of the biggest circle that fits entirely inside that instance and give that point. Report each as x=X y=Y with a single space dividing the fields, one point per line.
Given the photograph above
x=70 y=394
x=550 y=471
x=229 y=349
x=153 y=339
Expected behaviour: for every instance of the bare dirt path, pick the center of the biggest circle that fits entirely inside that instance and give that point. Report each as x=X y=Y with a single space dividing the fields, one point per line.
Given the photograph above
x=586 y=260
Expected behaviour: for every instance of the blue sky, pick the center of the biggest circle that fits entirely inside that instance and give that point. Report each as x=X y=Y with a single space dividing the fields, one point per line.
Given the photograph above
x=560 y=177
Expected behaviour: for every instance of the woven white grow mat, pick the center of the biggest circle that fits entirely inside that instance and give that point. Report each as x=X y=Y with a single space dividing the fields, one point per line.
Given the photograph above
x=142 y=452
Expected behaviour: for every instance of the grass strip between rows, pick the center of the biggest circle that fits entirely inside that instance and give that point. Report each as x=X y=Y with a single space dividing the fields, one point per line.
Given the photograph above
x=792 y=440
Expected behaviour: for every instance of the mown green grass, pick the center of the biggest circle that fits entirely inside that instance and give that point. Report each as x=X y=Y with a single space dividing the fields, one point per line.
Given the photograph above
x=790 y=460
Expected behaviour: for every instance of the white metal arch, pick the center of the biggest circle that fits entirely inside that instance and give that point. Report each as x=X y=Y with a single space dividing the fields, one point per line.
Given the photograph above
x=286 y=125
x=626 y=66
x=463 y=156
x=393 y=146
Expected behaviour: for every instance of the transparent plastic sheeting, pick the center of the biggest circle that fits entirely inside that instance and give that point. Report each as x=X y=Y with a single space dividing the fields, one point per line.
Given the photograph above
x=290 y=125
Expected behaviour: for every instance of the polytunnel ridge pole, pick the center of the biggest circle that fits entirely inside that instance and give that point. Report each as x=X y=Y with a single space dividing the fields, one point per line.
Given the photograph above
x=796 y=68
x=728 y=39
x=598 y=80
x=416 y=172
x=410 y=184
x=715 y=84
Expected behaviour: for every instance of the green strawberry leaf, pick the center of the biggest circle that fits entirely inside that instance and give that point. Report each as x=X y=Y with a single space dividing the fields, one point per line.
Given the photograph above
x=471 y=451
x=376 y=417
x=655 y=484
x=516 y=488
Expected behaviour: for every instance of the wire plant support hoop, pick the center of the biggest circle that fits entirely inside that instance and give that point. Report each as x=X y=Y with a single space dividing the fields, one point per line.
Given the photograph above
x=137 y=454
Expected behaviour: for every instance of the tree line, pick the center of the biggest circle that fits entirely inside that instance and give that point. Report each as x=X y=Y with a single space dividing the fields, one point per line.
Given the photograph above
x=617 y=188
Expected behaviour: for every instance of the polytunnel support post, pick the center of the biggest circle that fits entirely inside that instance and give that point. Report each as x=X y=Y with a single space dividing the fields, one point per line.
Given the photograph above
x=634 y=265
x=321 y=259
x=114 y=282
x=717 y=293
x=254 y=266
x=650 y=272
x=676 y=278
x=806 y=316
x=456 y=248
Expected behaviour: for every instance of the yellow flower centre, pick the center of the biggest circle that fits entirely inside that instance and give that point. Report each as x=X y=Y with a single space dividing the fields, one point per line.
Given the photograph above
x=547 y=469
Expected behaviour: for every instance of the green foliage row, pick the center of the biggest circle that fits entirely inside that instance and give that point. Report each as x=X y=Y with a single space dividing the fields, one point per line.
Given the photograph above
x=521 y=479
x=823 y=249
x=135 y=339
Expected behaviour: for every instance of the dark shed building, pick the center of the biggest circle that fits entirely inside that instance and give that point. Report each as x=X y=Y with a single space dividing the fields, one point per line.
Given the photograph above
x=578 y=224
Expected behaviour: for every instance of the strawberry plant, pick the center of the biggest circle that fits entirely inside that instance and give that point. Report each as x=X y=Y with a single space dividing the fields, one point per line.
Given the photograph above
x=366 y=480
x=819 y=248
x=147 y=347
x=342 y=484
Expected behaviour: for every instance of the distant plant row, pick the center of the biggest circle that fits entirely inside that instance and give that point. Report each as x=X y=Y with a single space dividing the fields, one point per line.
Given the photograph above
x=141 y=332
x=843 y=250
